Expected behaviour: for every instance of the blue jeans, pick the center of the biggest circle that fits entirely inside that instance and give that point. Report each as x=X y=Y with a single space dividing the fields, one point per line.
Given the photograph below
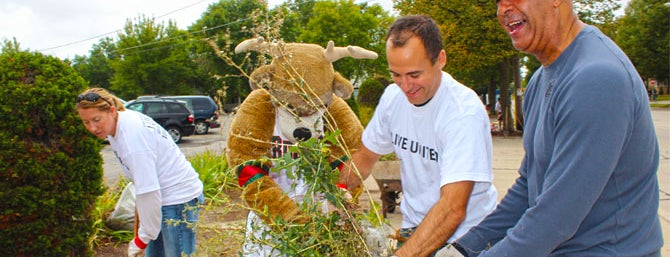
x=178 y=230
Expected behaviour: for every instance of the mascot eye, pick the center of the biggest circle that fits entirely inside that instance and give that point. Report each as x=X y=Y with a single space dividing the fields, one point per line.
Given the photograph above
x=290 y=107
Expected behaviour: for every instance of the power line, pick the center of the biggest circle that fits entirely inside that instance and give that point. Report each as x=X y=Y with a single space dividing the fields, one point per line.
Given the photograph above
x=116 y=31
x=77 y=42
x=170 y=38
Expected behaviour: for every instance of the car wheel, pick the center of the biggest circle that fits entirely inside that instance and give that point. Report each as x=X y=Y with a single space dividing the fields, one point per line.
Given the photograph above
x=201 y=127
x=175 y=133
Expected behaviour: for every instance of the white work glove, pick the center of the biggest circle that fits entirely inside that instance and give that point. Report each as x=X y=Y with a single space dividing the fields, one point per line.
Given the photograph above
x=448 y=251
x=136 y=248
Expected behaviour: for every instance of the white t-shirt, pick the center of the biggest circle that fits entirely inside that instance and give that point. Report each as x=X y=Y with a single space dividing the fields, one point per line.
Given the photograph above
x=152 y=160
x=294 y=188
x=444 y=141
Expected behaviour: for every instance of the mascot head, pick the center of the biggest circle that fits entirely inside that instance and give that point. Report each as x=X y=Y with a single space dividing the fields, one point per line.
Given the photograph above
x=302 y=82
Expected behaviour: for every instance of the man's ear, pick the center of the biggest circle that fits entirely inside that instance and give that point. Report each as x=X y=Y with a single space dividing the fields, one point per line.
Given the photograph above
x=341 y=86
x=442 y=59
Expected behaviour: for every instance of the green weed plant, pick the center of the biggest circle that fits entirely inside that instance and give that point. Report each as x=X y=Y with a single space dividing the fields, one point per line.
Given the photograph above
x=337 y=232
x=215 y=174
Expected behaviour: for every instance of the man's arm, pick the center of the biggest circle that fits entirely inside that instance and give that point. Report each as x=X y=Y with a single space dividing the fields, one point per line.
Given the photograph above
x=495 y=226
x=441 y=221
x=361 y=163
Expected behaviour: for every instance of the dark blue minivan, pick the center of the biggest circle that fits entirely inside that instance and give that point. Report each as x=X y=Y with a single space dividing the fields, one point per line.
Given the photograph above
x=205 y=110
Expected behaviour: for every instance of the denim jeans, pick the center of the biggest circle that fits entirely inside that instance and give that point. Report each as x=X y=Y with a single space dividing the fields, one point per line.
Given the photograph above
x=178 y=230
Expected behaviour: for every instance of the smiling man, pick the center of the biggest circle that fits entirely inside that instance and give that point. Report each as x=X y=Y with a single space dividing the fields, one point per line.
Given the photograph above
x=587 y=184
x=439 y=129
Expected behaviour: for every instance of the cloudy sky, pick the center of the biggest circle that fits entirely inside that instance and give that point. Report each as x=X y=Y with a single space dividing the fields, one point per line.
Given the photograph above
x=66 y=28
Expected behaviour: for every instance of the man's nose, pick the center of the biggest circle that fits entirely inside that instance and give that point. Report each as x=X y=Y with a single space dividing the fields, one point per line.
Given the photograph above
x=503 y=8
x=403 y=82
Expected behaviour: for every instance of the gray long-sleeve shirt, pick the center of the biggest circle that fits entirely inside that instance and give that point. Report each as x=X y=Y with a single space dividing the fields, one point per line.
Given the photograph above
x=588 y=184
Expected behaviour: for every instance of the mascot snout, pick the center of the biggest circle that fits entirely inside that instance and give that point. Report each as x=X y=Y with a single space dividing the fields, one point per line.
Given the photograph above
x=300 y=128
x=302 y=134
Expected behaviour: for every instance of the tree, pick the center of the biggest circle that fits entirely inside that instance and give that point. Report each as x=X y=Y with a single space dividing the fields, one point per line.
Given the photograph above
x=297 y=15
x=346 y=23
x=154 y=59
x=643 y=36
x=96 y=68
x=599 y=13
x=225 y=24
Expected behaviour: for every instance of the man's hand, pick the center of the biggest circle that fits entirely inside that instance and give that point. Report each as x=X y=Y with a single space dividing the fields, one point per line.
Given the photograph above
x=136 y=247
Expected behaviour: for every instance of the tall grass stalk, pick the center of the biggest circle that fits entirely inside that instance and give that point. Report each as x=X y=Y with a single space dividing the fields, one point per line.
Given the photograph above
x=104 y=206
x=214 y=173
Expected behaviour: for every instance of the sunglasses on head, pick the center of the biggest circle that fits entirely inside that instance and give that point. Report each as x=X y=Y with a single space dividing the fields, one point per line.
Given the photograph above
x=91 y=97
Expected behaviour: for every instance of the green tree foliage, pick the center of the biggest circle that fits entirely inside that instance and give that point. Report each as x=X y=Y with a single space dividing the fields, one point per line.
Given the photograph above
x=643 y=36
x=227 y=23
x=297 y=15
x=50 y=166
x=474 y=40
x=96 y=68
x=154 y=59
x=599 y=13
x=346 y=23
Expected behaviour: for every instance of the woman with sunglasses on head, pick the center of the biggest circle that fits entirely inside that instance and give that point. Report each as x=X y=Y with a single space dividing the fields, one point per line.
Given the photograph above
x=167 y=188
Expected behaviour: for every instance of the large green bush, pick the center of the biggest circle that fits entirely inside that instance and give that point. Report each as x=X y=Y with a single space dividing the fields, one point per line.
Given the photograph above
x=50 y=167
x=369 y=92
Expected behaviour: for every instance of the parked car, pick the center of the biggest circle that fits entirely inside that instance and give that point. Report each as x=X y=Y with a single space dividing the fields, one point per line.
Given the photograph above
x=205 y=111
x=173 y=115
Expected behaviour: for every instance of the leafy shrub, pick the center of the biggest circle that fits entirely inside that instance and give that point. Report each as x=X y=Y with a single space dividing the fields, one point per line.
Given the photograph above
x=353 y=104
x=214 y=172
x=369 y=92
x=51 y=169
x=365 y=114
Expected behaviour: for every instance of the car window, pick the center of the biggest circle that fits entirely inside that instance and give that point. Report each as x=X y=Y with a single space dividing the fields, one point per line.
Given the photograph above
x=187 y=101
x=200 y=104
x=176 y=108
x=153 y=108
x=136 y=107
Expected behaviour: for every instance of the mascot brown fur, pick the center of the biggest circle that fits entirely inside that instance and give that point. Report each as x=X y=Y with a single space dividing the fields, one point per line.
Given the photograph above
x=300 y=92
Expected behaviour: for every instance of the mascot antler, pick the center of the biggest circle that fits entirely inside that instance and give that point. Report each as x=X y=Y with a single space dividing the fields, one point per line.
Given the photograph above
x=255 y=44
x=333 y=53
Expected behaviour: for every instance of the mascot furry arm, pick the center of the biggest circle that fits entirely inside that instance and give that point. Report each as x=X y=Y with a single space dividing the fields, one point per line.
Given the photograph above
x=298 y=89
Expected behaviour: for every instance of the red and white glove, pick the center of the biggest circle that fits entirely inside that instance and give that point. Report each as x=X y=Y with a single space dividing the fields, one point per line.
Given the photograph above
x=347 y=195
x=136 y=248
x=327 y=206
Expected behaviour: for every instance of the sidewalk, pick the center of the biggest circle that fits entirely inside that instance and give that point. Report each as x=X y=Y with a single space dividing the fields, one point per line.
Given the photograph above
x=507 y=155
